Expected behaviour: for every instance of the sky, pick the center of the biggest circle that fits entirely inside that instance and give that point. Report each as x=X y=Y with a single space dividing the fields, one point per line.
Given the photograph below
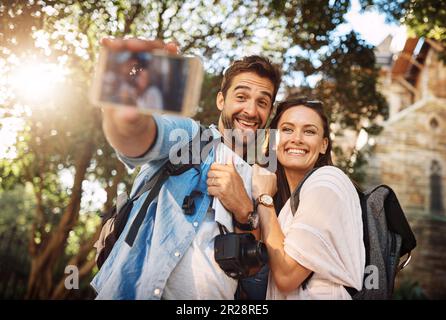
x=372 y=27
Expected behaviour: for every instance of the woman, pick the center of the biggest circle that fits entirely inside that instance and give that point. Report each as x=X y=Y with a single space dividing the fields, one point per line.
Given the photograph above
x=323 y=239
x=149 y=96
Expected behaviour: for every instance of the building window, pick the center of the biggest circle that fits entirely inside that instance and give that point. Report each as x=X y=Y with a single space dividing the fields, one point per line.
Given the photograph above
x=436 y=189
x=434 y=123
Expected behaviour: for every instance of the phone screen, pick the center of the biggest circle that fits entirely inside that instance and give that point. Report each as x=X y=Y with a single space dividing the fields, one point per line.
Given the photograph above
x=145 y=80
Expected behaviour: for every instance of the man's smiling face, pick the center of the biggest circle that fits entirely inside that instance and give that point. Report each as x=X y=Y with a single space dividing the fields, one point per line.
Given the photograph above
x=247 y=105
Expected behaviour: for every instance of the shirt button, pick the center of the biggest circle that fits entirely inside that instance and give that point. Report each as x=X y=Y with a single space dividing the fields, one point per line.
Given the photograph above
x=195 y=224
x=156 y=292
x=177 y=254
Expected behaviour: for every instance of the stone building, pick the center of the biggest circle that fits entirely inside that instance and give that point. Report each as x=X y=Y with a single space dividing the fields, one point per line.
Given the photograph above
x=410 y=153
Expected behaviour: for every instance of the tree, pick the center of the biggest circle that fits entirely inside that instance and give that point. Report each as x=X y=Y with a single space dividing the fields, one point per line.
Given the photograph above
x=424 y=18
x=58 y=134
x=16 y=207
x=62 y=133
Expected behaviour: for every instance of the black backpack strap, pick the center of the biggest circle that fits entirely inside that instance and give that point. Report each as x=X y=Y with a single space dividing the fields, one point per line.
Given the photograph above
x=351 y=291
x=304 y=283
x=365 y=224
x=154 y=185
x=397 y=222
x=157 y=181
x=294 y=203
x=149 y=184
x=295 y=196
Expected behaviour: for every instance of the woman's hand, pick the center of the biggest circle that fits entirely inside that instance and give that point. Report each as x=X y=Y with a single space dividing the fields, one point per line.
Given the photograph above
x=263 y=182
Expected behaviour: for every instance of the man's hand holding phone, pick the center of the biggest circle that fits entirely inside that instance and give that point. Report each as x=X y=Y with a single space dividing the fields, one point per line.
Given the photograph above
x=127 y=130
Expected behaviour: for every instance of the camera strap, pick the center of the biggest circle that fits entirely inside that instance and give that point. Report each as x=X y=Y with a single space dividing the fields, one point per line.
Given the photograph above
x=222 y=228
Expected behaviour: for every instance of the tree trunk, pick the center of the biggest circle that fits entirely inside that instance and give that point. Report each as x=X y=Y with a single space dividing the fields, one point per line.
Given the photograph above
x=81 y=261
x=40 y=281
x=43 y=262
x=84 y=266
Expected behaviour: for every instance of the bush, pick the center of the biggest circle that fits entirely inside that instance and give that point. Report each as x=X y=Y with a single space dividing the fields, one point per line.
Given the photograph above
x=409 y=290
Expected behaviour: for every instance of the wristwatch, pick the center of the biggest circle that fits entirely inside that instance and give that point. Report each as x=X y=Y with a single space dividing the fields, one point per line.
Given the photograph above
x=265 y=200
x=253 y=217
x=253 y=222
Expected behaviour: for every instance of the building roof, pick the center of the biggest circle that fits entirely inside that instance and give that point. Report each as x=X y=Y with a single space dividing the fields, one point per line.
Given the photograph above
x=402 y=63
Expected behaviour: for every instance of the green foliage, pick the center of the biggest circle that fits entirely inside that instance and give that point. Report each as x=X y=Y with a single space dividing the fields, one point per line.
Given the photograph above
x=16 y=207
x=208 y=113
x=353 y=164
x=348 y=88
x=349 y=83
x=409 y=290
x=424 y=18
x=311 y=22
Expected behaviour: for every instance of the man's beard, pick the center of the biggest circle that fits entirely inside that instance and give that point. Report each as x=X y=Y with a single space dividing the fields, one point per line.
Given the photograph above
x=228 y=121
x=238 y=138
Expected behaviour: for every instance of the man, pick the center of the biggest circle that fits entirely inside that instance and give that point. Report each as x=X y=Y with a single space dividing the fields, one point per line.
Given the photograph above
x=173 y=255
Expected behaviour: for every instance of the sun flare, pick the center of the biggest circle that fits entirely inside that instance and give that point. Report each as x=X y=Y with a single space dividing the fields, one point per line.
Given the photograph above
x=34 y=82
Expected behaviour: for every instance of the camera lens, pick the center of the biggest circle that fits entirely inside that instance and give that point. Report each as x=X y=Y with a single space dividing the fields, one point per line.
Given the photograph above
x=255 y=254
x=237 y=253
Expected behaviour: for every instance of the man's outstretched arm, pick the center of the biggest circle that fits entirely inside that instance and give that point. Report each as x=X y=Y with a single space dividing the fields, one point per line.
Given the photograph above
x=129 y=132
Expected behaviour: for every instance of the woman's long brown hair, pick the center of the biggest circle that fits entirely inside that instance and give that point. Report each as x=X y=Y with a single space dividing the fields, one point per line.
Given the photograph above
x=283 y=188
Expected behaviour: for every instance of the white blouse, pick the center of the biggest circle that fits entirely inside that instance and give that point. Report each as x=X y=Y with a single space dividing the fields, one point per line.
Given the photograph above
x=326 y=236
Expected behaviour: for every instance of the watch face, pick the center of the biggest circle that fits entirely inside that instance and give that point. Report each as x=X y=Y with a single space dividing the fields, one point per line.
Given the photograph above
x=267 y=200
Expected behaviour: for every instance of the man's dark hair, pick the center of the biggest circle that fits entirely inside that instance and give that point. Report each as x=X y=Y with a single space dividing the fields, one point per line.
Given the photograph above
x=259 y=65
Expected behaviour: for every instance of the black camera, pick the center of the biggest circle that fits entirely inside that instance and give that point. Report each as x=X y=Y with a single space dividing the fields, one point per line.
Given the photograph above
x=237 y=253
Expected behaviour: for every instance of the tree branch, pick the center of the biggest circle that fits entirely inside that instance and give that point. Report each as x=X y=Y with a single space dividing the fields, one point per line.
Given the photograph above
x=39 y=221
x=160 y=30
x=213 y=29
x=112 y=189
x=131 y=18
x=81 y=257
x=58 y=237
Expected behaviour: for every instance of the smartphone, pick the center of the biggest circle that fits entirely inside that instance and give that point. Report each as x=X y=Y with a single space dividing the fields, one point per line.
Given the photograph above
x=149 y=81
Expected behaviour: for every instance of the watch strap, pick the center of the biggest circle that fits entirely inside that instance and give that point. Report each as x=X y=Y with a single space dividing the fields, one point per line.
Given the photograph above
x=244 y=226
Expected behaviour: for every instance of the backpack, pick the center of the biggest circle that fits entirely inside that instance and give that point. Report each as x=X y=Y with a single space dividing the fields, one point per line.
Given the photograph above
x=387 y=238
x=115 y=220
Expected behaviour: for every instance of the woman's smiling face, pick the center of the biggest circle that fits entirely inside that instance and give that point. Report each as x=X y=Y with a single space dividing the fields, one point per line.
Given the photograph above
x=301 y=139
